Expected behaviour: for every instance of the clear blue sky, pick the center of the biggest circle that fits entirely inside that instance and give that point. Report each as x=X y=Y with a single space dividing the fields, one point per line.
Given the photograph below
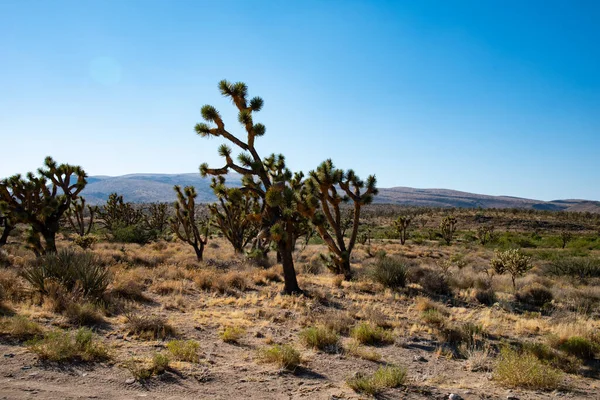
x=494 y=97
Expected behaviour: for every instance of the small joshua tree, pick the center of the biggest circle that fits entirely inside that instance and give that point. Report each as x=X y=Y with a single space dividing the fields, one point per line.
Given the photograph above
x=565 y=237
x=157 y=218
x=447 y=228
x=485 y=233
x=42 y=200
x=511 y=261
x=401 y=224
x=184 y=224
x=77 y=219
x=320 y=191
x=116 y=213
x=236 y=214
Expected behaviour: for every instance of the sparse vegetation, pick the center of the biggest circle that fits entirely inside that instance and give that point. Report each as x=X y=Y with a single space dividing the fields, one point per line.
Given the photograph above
x=184 y=350
x=524 y=370
x=320 y=338
x=366 y=333
x=285 y=356
x=65 y=346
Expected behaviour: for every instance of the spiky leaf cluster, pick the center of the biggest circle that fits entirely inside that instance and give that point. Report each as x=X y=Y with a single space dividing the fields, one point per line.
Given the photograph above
x=401 y=224
x=118 y=213
x=447 y=228
x=76 y=215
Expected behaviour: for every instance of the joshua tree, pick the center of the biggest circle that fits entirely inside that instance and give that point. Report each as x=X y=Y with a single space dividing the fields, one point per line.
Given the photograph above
x=116 y=213
x=511 y=261
x=184 y=223
x=485 y=233
x=157 y=219
x=235 y=214
x=41 y=201
x=565 y=237
x=322 y=205
x=268 y=178
x=76 y=217
x=402 y=223
x=447 y=228
x=8 y=225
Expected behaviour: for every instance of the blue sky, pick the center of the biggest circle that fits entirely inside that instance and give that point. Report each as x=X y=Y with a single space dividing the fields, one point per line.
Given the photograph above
x=494 y=97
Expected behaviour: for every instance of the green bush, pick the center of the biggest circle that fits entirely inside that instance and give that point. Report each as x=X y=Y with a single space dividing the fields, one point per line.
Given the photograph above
x=285 y=356
x=390 y=272
x=389 y=376
x=580 y=347
x=366 y=333
x=320 y=338
x=64 y=346
x=73 y=270
x=133 y=234
x=516 y=369
x=184 y=350
x=578 y=267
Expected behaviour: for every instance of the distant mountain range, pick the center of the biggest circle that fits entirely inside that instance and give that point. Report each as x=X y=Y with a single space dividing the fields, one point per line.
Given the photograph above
x=149 y=188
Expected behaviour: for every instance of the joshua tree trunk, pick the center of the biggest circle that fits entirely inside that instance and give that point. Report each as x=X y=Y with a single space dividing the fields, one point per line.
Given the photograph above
x=5 y=233
x=50 y=239
x=199 y=249
x=289 y=273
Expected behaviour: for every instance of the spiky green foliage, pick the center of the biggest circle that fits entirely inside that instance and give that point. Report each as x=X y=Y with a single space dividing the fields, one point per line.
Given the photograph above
x=157 y=218
x=401 y=224
x=268 y=178
x=41 y=200
x=117 y=213
x=447 y=228
x=321 y=203
x=76 y=215
x=185 y=225
x=512 y=261
x=485 y=233
x=236 y=215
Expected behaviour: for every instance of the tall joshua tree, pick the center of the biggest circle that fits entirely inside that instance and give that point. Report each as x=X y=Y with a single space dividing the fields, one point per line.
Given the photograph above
x=401 y=224
x=321 y=191
x=41 y=201
x=268 y=178
x=184 y=224
x=235 y=214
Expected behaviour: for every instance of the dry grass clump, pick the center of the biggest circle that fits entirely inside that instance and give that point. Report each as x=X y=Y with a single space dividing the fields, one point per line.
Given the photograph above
x=518 y=369
x=85 y=314
x=485 y=296
x=337 y=321
x=385 y=377
x=170 y=286
x=232 y=334
x=143 y=369
x=130 y=284
x=534 y=295
x=231 y=282
x=555 y=358
x=356 y=350
x=149 y=326
x=319 y=337
x=285 y=356
x=61 y=346
x=577 y=346
x=19 y=327
x=479 y=358
x=184 y=350
x=11 y=287
x=366 y=333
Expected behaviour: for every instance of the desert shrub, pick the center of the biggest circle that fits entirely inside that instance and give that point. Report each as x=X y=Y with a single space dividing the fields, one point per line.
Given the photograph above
x=434 y=282
x=285 y=356
x=138 y=369
x=232 y=334
x=19 y=327
x=85 y=242
x=359 y=351
x=433 y=317
x=390 y=272
x=545 y=353
x=235 y=280
x=160 y=363
x=467 y=334
x=184 y=350
x=11 y=287
x=85 y=314
x=485 y=296
x=580 y=347
x=337 y=321
x=579 y=267
x=366 y=333
x=534 y=295
x=132 y=234
x=517 y=369
x=313 y=266
x=320 y=338
x=62 y=346
x=71 y=269
x=258 y=258
x=389 y=376
x=149 y=326
x=129 y=288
